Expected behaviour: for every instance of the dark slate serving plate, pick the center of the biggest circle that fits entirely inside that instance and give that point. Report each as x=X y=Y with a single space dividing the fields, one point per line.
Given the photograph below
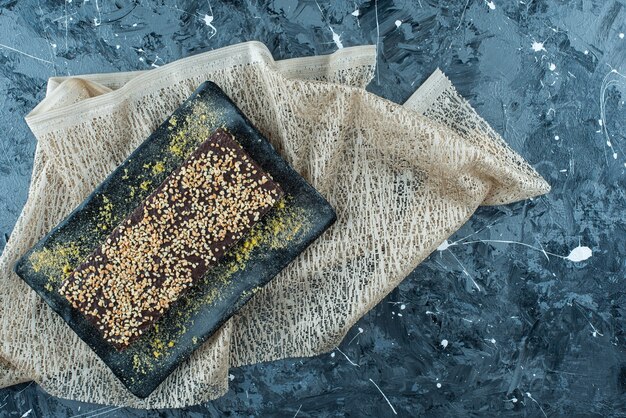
x=272 y=244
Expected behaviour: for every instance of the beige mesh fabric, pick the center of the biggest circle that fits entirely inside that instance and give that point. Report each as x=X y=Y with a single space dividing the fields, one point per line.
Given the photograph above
x=401 y=179
x=9 y=375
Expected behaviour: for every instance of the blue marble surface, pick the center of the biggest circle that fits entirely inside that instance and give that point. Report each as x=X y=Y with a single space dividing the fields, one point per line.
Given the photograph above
x=544 y=335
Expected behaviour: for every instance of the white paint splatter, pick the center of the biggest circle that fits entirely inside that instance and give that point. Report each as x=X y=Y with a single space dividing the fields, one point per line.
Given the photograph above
x=579 y=254
x=465 y=271
x=556 y=137
x=384 y=396
x=27 y=413
x=25 y=54
x=398 y=23
x=360 y=330
x=336 y=38
x=586 y=52
x=208 y=21
x=444 y=343
x=377 y=41
x=231 y=377
x=533 y=399
x=537 y=46
x=444 y=246
x=491 y=5
x=154 y=63
x=608 y=81
x=97 y=20
x=621 y=35
x=438 y=385
x=297 y=412
x=552 y=66
x=462 y=15
x=332 y=354
x=134 y=25
x=356 y=13
x=595 y=332
x=117 y=46
x=347 y=358
x=53 y=45
x=402 y=307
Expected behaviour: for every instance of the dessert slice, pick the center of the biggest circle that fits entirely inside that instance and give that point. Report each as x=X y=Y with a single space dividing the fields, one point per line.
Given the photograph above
x=169 y=241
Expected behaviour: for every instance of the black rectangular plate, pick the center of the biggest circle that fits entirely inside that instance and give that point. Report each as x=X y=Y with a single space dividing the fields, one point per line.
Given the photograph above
x=272 y=244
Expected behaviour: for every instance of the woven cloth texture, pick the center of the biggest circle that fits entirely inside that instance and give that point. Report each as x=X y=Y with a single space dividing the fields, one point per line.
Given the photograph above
x=402 y=179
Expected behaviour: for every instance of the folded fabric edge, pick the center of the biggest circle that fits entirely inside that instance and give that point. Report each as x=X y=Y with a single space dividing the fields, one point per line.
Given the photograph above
x=363 y=54
x=10 y=375
x=430 y=92
x=344 y=58
x=71 y=90
x=99 y=84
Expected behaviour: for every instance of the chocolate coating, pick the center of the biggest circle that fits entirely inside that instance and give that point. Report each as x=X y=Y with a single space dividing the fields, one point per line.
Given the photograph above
x=169 y=241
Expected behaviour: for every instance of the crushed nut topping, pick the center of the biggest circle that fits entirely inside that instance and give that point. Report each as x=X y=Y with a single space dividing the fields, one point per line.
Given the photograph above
x=167 y=243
